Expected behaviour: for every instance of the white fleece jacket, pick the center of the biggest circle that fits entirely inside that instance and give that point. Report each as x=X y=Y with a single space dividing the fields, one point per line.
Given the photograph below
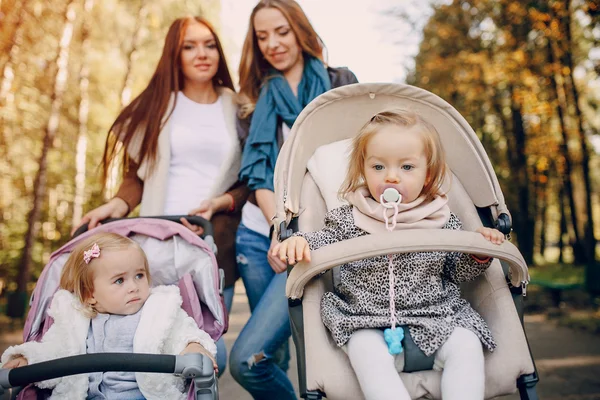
x=164 y=328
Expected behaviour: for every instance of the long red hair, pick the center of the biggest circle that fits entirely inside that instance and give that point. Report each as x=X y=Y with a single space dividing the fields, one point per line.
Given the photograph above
x=253 y=66
x=147 y=111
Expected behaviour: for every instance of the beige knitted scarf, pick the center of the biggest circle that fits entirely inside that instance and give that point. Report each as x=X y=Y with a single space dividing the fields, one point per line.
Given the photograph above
x=418 y=214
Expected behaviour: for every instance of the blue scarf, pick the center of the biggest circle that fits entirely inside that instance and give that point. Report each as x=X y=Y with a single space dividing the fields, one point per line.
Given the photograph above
x=276 y=100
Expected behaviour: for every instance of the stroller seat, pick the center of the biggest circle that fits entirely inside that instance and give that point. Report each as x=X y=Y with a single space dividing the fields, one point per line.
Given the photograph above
x=176 y=256
x=309 y=172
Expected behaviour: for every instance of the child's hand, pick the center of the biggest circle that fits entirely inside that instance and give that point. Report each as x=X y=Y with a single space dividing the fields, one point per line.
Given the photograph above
x=198 y=348
x=492 y=235
x=16 y=363
x=292 y=250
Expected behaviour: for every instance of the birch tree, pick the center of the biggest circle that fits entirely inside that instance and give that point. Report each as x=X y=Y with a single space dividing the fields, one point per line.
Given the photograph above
x=84 y=108
x=9 y=57
x=16 y=306
x=114 y=175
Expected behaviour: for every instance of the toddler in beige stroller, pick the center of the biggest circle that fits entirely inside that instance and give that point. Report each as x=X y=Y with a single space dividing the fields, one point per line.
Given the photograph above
x=429 y=312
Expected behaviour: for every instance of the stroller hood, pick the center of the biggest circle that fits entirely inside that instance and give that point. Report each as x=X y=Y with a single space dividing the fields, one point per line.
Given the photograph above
x=175 y=256
x=340 y=113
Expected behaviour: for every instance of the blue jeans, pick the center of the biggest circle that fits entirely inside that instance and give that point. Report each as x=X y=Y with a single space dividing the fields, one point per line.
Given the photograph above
x=253 y=360
x=228 y=293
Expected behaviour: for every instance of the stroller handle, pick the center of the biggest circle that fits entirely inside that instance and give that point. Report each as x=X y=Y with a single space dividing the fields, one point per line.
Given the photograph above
x=206 y=225
x=404 y=241
x=190 y=366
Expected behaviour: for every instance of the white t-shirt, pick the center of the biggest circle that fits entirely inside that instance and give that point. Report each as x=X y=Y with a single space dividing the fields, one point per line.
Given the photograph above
x=252 y=216
x=199 y=146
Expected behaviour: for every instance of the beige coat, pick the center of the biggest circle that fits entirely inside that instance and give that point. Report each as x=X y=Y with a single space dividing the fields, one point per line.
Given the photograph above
x=155 y=181
x=148 y=187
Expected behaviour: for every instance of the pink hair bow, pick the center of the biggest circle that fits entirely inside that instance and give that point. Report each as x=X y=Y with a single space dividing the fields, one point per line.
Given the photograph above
x=94 y=252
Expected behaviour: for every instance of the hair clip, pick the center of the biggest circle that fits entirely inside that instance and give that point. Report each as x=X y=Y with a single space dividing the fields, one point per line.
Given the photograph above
x=93 y=252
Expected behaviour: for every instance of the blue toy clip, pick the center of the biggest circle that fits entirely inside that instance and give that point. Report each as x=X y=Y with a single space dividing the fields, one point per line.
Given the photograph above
x=393 y=338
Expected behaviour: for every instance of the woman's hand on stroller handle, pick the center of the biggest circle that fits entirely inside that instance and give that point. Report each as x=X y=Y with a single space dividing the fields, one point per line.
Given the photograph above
x=207 y=209
x=273 y=258
x=210 y=207
x=292 y=250
x=115 y=208
x=197 y=229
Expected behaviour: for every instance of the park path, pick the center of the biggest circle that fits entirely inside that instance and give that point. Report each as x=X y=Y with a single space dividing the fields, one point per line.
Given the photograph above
x=568 y=361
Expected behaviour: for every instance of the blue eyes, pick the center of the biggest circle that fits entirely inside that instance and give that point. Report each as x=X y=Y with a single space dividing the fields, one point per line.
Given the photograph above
x=139 y=276
x=379 y=167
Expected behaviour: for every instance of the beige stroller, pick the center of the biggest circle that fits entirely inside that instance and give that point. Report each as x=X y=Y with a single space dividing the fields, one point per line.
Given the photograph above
x=309 y=172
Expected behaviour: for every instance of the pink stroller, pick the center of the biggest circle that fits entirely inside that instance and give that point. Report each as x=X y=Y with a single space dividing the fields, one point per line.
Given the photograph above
x=176 y=256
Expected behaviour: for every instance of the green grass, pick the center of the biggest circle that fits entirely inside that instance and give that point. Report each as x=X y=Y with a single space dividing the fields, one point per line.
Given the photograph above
x=557 y=275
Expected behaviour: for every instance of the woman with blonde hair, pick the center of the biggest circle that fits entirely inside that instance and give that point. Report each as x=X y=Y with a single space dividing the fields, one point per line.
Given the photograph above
x=181 y=148
x=282 y=69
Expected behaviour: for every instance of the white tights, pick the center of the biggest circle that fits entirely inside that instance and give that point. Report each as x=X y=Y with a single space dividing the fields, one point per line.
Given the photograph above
x=377 y=370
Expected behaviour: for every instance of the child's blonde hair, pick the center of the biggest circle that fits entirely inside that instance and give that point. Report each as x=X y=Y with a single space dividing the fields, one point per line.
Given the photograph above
x=77 y=276
x=434 y=153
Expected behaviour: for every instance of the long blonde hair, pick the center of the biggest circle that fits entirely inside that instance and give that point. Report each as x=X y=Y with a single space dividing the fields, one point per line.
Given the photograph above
x=78 y=276
x=434 y=152
x=253 y=66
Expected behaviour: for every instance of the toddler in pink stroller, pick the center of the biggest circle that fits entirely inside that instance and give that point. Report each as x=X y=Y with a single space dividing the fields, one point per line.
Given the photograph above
x=93 y=311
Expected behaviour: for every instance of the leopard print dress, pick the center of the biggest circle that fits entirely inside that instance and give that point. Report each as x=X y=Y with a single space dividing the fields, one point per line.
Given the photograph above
x=427 y=292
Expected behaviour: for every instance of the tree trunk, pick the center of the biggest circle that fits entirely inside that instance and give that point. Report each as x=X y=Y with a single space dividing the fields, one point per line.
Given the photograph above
x=81 y=152
x=517 y=160
x=563 y=223
x=559 y=98
x=590 y=240
x=524 y=221
x=7 y=76
x=16 y=308
x=18 y=15
x=537 y=210
x=543 y=218
x=113 y=176
x=512 y=191
x=135 y=43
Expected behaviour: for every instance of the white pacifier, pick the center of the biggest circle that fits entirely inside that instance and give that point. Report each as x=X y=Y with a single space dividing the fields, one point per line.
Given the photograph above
x=391 y=195
x=390 y=199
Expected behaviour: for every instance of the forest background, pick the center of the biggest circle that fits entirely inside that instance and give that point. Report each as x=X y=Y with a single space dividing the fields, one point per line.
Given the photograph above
x=525 y=75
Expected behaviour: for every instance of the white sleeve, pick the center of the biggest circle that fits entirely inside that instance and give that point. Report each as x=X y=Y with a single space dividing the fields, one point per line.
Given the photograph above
x=52 y=345
x=186 y=331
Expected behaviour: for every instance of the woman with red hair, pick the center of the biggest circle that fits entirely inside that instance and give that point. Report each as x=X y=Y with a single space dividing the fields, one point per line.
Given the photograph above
x=181 y=148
